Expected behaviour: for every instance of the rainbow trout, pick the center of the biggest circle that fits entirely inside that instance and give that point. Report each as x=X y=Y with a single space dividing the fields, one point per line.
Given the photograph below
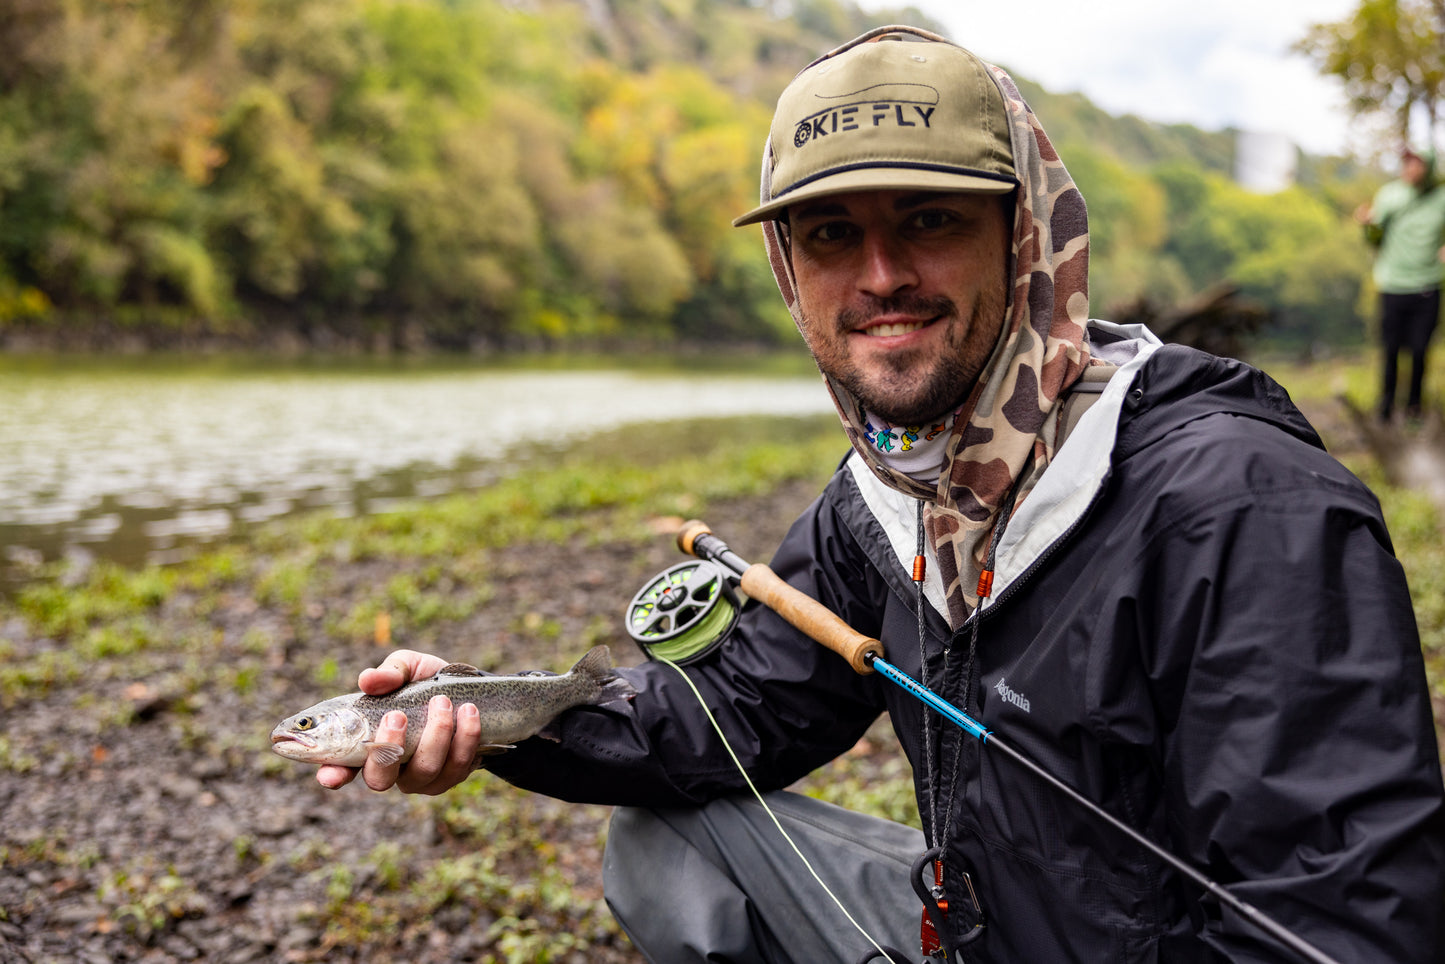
x=512 y=708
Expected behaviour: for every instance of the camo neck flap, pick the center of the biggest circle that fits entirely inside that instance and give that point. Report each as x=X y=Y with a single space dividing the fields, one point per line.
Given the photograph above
x=1004 y=435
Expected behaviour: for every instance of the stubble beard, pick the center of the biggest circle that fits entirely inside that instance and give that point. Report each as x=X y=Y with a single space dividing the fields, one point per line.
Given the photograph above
x=913 y=388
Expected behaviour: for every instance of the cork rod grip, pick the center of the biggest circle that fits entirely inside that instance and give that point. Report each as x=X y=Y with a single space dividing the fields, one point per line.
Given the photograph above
x=805 y=613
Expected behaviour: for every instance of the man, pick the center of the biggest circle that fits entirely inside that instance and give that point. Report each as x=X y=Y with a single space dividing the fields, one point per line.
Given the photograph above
x=1194 y=616
x=1407 y=221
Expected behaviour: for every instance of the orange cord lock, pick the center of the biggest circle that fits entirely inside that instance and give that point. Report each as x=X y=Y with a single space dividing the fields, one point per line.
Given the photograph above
x=985 y=584
x=920 y=567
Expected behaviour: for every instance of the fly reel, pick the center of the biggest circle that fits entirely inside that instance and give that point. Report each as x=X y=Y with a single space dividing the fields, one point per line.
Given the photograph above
x=684 y=613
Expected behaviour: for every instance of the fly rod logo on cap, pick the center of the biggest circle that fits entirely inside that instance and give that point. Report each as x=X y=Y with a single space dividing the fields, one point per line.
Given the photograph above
x=897 y=105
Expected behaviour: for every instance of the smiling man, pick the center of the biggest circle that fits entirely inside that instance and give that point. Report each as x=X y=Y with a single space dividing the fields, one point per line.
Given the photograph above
x=1141 y=566
x=905 y=294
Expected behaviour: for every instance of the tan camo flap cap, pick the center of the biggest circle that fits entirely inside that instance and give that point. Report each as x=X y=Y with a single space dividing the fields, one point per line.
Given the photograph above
x=889 y=113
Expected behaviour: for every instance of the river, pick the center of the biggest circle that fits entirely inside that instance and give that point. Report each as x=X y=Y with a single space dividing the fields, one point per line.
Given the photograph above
x=143 y=460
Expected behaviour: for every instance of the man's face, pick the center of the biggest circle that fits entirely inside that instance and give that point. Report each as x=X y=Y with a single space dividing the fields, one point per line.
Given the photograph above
x=902 y=294
x=1412 y=169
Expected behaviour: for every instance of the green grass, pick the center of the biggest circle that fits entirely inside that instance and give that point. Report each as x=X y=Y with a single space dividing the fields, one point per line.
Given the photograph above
x=439 y=545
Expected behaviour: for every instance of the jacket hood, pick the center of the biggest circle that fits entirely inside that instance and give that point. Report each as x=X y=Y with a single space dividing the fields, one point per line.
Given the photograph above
x=1183 y=384
x=1155 y=391
x=1003 y=435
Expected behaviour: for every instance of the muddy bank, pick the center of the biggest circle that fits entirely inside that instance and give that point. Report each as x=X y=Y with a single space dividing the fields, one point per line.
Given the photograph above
x=145 y=819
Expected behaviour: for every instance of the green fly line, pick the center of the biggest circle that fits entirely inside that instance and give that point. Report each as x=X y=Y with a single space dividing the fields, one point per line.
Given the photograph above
x=702 y=633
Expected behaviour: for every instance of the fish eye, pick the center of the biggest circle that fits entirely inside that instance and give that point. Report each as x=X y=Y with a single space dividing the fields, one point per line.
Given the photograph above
x=305 y=723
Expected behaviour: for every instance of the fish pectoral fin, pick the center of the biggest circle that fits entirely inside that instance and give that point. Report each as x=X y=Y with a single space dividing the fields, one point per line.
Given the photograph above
x=492 y=749
x=460 y=669
x=384 y=753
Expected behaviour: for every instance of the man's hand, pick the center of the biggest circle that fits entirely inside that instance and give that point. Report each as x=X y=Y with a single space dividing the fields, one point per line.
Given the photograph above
x=448 y=744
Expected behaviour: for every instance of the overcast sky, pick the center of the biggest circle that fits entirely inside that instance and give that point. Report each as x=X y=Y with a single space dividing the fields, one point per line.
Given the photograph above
x=1217 y=63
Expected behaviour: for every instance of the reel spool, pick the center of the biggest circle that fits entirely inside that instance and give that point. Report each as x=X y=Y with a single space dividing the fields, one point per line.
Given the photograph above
x=684 y=613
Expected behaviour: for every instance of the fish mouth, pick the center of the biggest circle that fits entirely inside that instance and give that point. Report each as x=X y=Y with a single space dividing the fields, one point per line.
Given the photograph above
x=290 y=738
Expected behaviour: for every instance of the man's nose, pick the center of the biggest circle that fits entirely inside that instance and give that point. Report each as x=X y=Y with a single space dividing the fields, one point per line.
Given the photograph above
x=888 y=266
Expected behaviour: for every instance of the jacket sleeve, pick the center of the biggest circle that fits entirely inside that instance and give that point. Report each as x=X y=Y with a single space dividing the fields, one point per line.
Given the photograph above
x=1298 y=743
x=785 y=703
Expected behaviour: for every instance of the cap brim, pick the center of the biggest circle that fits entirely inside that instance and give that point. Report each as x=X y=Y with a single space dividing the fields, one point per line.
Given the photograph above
x=879 y=179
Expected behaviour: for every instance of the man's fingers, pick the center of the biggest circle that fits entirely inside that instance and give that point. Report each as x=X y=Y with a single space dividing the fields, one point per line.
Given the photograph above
x=464 y=746
x=398 y=669
x=447 y=745
x=395 y=671
x=433 y=748
x=392 y=729
x=334 y=777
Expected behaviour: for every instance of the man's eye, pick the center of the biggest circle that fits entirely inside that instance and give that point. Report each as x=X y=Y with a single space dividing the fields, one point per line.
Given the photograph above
x=830 y=232
x=932 y=220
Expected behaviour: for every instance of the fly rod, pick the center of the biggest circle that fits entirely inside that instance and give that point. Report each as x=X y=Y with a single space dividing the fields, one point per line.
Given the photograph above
x=865 y=655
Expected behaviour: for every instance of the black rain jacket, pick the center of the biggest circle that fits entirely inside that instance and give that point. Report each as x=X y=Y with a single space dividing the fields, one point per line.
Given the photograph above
x=1198 y=622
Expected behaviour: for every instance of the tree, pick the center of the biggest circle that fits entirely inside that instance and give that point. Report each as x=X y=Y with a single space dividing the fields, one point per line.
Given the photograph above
x=1390 y=55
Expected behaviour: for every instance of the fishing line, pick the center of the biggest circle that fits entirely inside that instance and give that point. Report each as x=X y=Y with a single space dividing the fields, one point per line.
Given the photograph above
x=769 y=810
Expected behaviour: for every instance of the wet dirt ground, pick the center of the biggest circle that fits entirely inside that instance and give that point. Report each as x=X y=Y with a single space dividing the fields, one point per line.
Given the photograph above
x=144 y=818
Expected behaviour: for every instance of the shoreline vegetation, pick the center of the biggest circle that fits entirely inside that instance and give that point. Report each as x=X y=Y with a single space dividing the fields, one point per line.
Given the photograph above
x=354 y=338
x=147 y=819
x=479 y=174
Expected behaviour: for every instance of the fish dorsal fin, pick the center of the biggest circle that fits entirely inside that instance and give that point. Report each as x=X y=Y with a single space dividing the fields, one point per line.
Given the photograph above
x=596 y=665
x=459 y=669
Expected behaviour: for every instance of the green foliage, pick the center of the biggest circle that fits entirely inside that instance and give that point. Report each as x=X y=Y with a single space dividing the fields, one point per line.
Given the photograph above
x=1075 y=120
x=1128 y=227
x=149 y=900
x=492 y=173
x=1390 y=56
x=467 y=163
x=1174 y=231
x=1289 y=250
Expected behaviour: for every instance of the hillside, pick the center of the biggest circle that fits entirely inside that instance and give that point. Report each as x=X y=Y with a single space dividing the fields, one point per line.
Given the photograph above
x=483 y=175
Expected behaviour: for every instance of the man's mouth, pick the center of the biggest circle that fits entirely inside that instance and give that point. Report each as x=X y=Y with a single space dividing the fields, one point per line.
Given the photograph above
x=894 y=328
x=893 y=317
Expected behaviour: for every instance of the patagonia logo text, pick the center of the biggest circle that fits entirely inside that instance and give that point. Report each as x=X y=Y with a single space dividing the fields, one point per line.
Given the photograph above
x=1009 y=695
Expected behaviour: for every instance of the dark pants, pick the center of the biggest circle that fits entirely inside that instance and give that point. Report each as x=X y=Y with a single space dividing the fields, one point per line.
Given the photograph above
x=719 y=884
x=1406 y=324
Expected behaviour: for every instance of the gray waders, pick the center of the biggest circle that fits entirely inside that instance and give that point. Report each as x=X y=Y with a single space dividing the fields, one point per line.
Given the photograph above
x=719 y=884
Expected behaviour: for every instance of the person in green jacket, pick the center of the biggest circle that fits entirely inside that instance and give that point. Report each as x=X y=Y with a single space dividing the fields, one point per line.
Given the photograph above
x=1407 y=221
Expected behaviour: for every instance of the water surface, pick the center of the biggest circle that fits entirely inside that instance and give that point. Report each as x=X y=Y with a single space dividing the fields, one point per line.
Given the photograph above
x=142 y=461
